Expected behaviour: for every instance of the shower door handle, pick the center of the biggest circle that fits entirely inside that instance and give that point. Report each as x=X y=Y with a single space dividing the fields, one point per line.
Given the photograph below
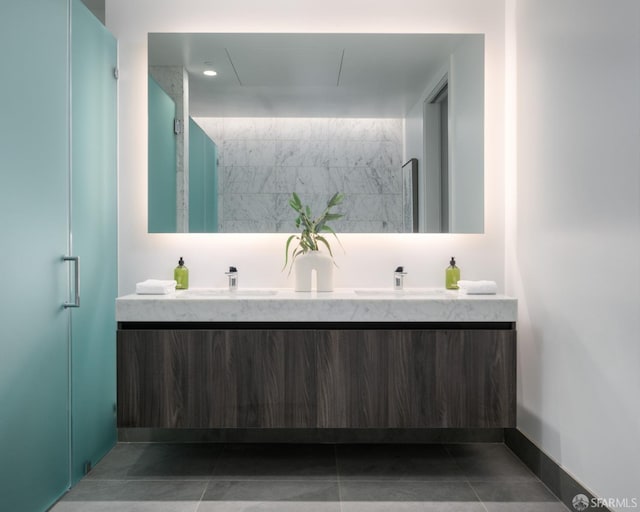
x=76 y=302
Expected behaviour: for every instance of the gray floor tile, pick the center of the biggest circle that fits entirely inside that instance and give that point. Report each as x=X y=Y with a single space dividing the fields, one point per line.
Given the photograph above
x=158 y=461
x=513 y=491
x=125 y=506
x=453 y=506
x=168 y=490
x=406 y=496
x=276 y=462
x=310 y=478
x=117 y=462
x=489 y=462
x=397 y=462
x=95 y=490
x=390 y=506
x=268 y=506
x=176 y=461
x=530 y=496
x=281 y=490
x=525 y=507
x=399 y=491
x=134 y=490
x=262 y=495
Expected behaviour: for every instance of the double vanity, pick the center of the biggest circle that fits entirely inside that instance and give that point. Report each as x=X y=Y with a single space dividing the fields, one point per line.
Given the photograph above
x=272 y=359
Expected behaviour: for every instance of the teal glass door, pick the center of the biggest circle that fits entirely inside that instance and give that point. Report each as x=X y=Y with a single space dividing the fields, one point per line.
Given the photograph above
x=203 y=181
x=94 y=239
x=211 y=186
x=162 y=187
x=34 y=344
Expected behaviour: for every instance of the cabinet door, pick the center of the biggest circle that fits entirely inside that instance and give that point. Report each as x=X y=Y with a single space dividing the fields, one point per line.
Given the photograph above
x=452 y=378
x=475 y=384
x=201 y=378
x=352 y=374
x=93 y=226
x=416 y=378
x=34 y=162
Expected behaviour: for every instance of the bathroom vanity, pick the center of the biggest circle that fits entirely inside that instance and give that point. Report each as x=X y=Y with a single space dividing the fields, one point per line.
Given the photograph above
x=207 y=359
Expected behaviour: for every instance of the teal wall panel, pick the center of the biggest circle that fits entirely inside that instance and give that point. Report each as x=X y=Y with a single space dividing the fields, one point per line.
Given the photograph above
x=162 y=161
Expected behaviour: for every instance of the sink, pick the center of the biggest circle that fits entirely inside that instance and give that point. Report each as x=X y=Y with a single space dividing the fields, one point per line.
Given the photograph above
x=222 y=292
x=399 y=293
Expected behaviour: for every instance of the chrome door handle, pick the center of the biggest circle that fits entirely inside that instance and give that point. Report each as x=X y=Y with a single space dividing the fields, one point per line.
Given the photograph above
x=76 y=260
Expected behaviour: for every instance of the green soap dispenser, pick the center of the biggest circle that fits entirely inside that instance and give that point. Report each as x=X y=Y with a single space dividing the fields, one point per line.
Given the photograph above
x=452 y=275
x=181 y=275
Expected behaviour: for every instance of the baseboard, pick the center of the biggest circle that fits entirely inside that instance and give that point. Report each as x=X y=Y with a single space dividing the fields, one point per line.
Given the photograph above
x=559 y=482
x=312 y=435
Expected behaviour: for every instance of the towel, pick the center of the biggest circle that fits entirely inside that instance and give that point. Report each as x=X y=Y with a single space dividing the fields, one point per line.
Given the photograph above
x=155 y=287
x=477 y=287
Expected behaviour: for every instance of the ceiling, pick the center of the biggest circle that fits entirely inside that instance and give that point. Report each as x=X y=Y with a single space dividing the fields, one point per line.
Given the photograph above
x=305 y=75
x=96 y=7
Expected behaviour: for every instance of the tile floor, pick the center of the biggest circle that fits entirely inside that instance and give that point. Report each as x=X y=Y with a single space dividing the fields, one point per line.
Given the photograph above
x=140 y=477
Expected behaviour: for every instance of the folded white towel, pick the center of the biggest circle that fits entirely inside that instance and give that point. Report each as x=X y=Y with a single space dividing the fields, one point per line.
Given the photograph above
x=155 y=287
x=477 y=287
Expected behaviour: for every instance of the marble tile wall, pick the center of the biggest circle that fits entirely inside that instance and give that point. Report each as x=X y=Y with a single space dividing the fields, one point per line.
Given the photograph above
x=263 y=160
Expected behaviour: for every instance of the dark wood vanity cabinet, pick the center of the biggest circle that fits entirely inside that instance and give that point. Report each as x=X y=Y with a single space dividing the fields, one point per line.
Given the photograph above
x=326 y=377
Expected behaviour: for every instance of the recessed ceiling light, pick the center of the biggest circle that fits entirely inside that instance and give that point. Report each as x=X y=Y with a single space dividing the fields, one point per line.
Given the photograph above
x=210 y=72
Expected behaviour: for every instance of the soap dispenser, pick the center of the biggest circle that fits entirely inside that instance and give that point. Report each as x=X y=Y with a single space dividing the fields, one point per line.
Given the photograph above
x=452 y=275
x=181 y=275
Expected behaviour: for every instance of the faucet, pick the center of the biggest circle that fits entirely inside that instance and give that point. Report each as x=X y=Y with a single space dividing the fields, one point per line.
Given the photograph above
x=233 y=278
x=398 y=278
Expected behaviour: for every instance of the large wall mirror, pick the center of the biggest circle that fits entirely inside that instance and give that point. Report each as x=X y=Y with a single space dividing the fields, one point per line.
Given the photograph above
x=237 y=122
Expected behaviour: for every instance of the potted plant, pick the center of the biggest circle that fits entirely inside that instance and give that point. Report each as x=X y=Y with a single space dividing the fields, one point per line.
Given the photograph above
x=310 y=239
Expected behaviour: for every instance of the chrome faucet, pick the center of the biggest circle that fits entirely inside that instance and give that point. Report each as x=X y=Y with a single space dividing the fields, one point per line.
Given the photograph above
x=233 y=278
x=398 y=278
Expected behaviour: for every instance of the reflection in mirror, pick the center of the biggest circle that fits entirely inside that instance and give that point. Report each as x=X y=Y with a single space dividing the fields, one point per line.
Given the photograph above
x=316 y=114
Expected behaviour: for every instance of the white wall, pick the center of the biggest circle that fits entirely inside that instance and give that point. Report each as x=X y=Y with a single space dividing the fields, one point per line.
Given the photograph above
x=575 y=244
x=415 y=146
x=370 y=259
x=573 y=198
x=466 y=78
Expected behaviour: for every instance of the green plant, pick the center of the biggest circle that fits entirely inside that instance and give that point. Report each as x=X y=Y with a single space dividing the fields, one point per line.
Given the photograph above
x=312 y=229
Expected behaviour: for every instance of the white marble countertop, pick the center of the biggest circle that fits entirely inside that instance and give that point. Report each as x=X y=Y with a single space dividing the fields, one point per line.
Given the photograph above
x=341 y=305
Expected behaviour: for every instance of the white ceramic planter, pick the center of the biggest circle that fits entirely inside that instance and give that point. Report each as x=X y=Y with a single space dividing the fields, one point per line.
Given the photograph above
x=304 y=267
